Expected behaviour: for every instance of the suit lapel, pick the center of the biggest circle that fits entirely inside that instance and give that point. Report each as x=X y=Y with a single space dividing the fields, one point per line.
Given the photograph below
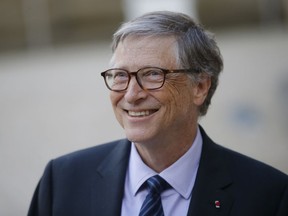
x=108 y=188
x=210 y=195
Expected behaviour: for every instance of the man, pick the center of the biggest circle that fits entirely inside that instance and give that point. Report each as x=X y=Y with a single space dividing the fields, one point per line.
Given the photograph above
x=164 y=72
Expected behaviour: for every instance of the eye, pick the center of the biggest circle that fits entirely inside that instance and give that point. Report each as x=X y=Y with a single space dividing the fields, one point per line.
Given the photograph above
x=152 y=74
x=119 y=75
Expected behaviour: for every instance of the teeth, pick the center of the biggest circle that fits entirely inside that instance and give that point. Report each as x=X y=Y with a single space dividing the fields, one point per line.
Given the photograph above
x=142 y=113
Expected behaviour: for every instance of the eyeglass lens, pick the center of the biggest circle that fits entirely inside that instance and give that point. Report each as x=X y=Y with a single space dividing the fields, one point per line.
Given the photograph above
x=147 y=78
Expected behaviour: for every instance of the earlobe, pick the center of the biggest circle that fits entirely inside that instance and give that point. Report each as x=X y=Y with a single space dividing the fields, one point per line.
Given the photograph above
x=201 y=90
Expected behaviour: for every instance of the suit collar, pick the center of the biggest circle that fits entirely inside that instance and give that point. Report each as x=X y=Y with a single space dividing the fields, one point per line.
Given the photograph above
x=107 y=192
x=212 y=182
x=210 y=195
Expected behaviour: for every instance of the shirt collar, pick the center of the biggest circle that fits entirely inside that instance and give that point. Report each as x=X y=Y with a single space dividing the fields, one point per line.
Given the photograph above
x=185 y=167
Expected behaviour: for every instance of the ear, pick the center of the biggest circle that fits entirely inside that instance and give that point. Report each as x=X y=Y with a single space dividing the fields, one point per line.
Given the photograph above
x=201 y=90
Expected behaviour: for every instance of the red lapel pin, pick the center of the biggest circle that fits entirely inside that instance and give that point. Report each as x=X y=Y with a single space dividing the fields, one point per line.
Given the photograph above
x=217 y=204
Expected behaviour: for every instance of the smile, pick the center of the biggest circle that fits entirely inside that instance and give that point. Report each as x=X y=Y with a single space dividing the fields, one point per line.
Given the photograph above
x=141 y=113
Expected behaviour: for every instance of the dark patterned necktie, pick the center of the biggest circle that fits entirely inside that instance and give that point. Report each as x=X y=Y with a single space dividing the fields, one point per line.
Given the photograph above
x=152 y=205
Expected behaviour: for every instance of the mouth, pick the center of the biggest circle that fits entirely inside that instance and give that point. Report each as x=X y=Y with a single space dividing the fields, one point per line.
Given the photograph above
x=141 y=113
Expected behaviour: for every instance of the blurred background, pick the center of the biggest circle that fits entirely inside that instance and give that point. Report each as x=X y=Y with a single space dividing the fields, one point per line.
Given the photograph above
x=53 y=100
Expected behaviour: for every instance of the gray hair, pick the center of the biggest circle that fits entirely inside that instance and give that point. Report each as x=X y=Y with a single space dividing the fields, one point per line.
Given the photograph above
x=196 y=47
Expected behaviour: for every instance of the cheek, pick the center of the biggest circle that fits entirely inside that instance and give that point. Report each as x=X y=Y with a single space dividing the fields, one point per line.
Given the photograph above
x=115 y=99
x=172 y=99
x=180 y=91
x=179 y=98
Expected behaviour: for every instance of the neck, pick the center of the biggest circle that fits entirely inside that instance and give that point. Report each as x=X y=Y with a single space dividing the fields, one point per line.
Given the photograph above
x=160 y=155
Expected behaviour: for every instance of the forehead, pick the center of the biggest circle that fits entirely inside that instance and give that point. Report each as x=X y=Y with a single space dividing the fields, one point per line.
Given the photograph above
x=136 y=52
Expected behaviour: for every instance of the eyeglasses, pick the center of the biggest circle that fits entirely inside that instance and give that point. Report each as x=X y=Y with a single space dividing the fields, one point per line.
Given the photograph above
x=149 y=78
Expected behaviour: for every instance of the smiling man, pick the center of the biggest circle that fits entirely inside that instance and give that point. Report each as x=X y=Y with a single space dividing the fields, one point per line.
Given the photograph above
x=163 y=74
x=161 y=122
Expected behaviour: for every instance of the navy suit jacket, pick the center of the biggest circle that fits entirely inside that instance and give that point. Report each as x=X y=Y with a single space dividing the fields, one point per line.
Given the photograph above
x=90 y=182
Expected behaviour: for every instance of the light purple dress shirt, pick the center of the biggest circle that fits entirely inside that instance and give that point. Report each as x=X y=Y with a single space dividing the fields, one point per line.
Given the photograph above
x=180 y=175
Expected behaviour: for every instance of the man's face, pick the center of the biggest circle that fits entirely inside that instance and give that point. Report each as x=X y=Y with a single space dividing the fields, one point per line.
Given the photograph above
x=154 y=115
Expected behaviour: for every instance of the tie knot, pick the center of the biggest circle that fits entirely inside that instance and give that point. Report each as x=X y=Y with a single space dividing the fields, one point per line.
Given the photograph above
x=157 y=184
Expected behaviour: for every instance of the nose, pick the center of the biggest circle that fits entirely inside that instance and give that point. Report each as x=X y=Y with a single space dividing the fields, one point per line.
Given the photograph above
x=134 y=91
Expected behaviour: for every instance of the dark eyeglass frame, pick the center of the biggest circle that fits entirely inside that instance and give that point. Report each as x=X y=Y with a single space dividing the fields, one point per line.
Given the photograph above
x=135 y=73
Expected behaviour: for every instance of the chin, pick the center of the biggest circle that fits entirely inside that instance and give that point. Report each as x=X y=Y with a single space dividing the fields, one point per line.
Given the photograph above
x=136 y=137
